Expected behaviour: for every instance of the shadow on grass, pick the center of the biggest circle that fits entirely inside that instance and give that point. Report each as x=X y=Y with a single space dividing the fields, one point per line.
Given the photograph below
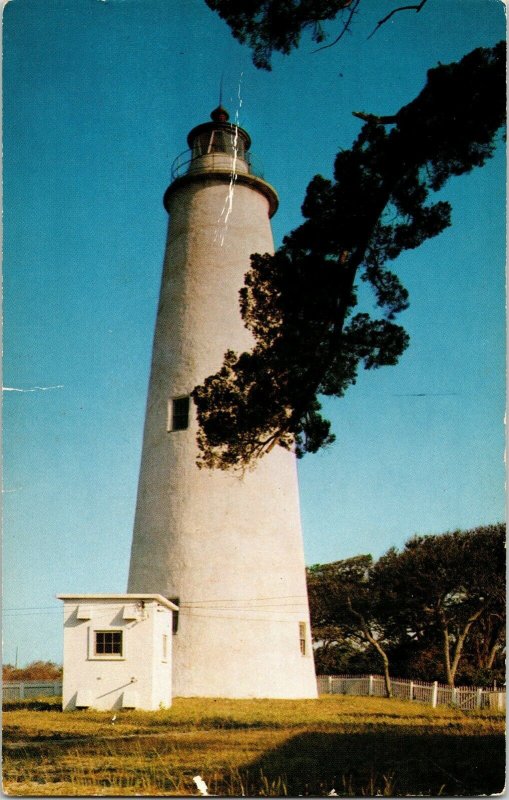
x=391 y=764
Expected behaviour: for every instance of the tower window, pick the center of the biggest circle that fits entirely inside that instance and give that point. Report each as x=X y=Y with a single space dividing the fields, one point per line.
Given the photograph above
x=179 y=411
x=302 y=637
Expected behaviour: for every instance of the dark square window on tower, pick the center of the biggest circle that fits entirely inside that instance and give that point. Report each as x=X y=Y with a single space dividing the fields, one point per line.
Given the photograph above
x=179 y=412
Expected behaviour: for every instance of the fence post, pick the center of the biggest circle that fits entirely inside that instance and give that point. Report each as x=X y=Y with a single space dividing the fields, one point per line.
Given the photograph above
x=411 y=690
x=500 y=705
x=370 y=687
x=434 y=694
x=330 y=684
x=478 y=703
x=22 y=690
x=453 y=696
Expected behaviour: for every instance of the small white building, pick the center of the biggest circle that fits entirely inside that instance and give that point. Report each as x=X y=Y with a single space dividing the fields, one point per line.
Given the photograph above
x=117 y=651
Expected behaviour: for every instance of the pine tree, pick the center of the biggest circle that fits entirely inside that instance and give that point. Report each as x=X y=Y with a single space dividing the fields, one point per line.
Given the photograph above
x=299 y=303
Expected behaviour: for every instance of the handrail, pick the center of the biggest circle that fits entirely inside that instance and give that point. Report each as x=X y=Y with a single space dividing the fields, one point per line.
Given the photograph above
x=215 y=161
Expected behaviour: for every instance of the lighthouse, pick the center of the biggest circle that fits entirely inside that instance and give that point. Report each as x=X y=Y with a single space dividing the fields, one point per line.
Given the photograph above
x=226 y=548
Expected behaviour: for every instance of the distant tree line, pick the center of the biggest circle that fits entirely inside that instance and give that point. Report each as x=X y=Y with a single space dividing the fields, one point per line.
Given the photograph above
x=35 y=671
x=434 y=610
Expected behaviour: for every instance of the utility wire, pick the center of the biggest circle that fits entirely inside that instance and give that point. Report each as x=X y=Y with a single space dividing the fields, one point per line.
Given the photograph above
x=198 y=604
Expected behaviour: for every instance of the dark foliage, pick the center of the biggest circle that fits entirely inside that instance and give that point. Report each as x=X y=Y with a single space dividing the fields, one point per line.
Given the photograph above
x=267 y=25
x=299 y=303
x=451 y=589
x=277 y=25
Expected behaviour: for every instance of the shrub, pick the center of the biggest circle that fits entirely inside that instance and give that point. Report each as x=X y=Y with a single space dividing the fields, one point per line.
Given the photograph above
x=36 y=671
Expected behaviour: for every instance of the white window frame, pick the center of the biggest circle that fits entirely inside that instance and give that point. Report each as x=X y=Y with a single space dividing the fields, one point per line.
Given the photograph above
x=94 y=656
x=165 y=648
x=303 y=638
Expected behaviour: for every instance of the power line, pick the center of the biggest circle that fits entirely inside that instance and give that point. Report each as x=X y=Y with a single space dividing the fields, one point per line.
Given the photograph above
x=30 y=608
x=247 y=599
x=241 y=618
x=239 y=604
x=31 y=611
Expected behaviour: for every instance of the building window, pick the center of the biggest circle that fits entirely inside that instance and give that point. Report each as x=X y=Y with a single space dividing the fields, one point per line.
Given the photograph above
x=302 y=637
x=108 y=643
x=179 y=413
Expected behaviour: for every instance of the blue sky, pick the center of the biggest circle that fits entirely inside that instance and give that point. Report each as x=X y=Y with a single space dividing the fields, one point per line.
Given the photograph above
x=98 y=98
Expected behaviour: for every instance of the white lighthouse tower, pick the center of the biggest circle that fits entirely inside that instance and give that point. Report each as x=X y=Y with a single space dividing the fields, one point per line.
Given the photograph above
x=226 y=548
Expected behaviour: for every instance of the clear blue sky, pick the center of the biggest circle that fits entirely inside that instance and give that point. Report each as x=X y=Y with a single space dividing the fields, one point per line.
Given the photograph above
x=98 y=98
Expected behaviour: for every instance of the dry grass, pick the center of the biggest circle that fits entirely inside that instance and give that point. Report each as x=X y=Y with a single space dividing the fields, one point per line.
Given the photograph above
x=355 y=745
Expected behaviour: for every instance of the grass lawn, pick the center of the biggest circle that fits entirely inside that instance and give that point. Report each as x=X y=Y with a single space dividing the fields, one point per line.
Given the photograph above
x=359 y=746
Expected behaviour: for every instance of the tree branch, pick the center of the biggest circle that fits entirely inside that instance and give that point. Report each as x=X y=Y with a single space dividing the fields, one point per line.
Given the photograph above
x=388 y=120
x=381 y=22
x=492 y=654
x=375 y=643
x=346 y=27
x=461 y=641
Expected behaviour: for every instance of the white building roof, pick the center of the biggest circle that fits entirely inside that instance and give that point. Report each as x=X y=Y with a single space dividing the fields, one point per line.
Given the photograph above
x=123 y=598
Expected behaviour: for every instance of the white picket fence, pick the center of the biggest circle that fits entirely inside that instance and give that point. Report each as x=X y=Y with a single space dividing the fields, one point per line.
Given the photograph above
x=23 y=690
x=434 y=694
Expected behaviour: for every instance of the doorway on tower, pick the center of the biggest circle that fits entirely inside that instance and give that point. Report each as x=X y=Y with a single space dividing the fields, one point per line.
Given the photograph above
x=178 y=413
x=175 y=616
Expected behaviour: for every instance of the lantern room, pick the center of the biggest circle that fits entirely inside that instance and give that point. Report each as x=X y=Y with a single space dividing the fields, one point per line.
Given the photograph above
x=218 y=136
x=219 y=150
